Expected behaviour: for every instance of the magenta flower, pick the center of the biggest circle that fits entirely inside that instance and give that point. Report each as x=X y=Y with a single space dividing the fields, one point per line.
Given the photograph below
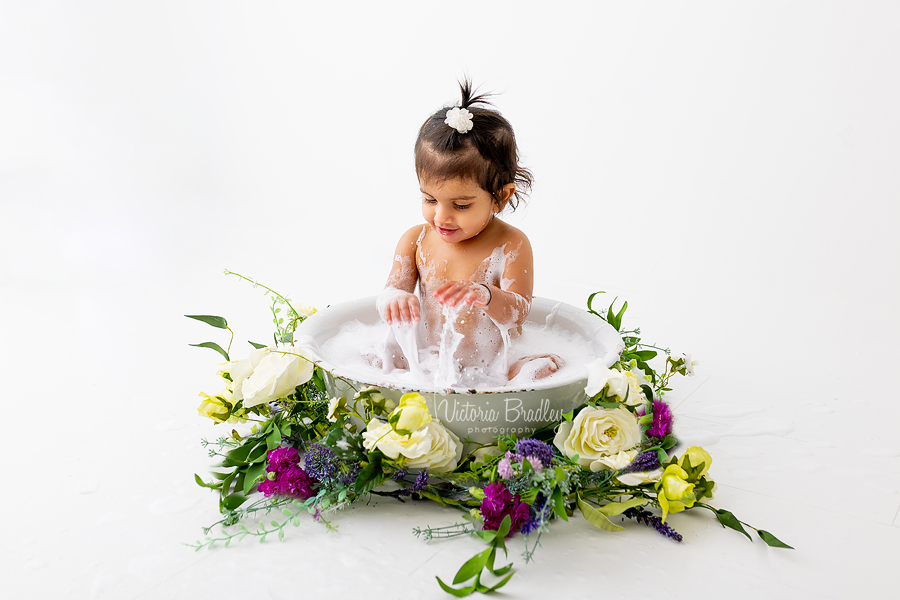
x=662 y=420
x=289 y=479
x=498 y=503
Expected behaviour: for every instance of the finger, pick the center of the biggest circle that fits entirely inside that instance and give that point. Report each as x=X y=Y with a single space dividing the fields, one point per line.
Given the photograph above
x=403 y=307
x=414 y=308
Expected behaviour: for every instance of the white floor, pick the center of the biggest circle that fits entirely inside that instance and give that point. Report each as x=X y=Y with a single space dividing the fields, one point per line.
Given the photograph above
x=731 y=171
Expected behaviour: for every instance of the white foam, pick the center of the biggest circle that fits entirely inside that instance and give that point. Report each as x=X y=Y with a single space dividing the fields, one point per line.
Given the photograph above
x=354 y=346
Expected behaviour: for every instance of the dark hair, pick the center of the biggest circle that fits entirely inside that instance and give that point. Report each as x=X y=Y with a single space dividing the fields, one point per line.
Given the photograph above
x=486 y=154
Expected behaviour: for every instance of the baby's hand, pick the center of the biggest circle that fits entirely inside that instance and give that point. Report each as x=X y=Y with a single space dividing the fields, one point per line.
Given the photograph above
x=465 y=292
x=398 y=306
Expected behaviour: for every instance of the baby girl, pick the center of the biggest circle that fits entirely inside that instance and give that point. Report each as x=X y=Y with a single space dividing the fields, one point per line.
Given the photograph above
x=471 y=267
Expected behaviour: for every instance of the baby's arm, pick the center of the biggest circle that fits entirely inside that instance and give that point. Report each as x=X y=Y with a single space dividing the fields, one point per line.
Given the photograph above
x=508 y=304
x=398 y=301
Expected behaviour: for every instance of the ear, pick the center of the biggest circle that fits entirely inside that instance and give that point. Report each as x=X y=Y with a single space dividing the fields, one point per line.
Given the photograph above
x=502 y=196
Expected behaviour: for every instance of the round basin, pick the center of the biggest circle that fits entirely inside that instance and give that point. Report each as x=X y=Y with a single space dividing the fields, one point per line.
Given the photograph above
x=474 y=415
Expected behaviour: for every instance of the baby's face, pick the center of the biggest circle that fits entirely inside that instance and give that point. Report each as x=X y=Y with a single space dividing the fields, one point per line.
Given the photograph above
x=457 y=209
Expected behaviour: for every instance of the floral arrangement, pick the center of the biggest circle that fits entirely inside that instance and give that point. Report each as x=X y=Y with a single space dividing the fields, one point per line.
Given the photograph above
x=312 y=454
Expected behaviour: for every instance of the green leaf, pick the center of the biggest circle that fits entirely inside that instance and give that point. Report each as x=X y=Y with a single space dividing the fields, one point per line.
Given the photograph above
x=213 y=346
x=473 y=566
x=569 y=415
x=234 y=500
x=772 y=540
x=257 y=346
x=596 y=518
x=617 y=508
x=252 y=474
x=218 y=322
x=487 y=590
x=645 y=355
x=608 y=404
x=370 y=477
x=201 y=483
x=459 y=593
x=559 y=507
x=729 y=520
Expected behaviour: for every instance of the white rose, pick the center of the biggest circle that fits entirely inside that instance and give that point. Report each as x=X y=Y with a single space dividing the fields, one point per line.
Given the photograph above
x=432 y=447
x=276 y=375
x=459 y=119
x=599 y=375
x=597 y=433
x=640 y=478
x=239 y=370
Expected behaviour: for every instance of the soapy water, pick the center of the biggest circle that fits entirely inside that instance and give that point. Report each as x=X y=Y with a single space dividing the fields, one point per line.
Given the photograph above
x=392 y=355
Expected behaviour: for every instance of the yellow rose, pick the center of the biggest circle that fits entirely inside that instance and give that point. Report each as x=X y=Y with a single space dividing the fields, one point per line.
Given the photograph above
x=431 y=447
x=673 y=491
x=692 y=458
x=411 y=414
x=213 y=408
x=597 y=434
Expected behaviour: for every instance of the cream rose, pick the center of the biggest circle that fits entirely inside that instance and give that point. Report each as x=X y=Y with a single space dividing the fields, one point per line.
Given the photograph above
x=276 y=374
x=431 y=447
x=640 y=478
x=596 y=434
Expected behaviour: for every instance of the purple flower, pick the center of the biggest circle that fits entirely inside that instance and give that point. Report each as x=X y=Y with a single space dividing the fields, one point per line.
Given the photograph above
x=321 y=463
x=649 y=519
x=498 y=502
x=420 y=482
x=281 y=459
x=662 y=420
x=533 y=448
x=504 y=469
x=292 y=481
x=289 y=479
x=646 y=461
x=539 y=513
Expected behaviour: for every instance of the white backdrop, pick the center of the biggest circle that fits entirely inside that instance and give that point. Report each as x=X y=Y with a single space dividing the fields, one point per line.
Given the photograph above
x=729 y=168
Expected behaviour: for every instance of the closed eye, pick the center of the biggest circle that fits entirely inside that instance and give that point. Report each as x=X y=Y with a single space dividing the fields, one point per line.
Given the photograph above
x=462 y=206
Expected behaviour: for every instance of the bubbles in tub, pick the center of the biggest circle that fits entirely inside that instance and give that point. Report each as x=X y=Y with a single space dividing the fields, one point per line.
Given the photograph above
x=356 y=344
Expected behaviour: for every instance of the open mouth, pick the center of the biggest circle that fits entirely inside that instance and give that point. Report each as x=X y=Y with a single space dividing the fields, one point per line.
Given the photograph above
x=443 y=231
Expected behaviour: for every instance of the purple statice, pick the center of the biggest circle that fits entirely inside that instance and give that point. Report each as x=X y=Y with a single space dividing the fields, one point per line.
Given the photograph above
x=321 y=463
x=499 y=502
x=649 y=519
x=645 y=461
x=662 y=420
x=539 y=512
x=504 y=469
x=536 y=451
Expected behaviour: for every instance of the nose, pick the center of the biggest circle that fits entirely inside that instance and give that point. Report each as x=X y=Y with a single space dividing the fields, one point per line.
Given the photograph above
x=442 y=215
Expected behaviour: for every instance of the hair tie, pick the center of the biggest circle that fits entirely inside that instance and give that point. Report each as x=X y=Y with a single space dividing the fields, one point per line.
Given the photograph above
x=459 y=119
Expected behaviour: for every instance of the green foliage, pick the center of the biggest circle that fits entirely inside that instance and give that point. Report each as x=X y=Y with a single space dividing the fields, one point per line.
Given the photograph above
x=212 y=346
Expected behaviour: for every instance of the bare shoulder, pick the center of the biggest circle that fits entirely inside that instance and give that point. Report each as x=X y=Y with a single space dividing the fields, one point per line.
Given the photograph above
x=515 y=238
x=410 y=238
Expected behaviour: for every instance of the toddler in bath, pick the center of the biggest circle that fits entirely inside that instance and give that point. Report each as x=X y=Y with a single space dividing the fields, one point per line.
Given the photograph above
x=470 y=266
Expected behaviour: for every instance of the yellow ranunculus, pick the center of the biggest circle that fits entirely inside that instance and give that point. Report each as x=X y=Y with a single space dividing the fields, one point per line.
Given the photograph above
x=673 y=491
x=692 y=458
x=411 y=414
x=213 y=408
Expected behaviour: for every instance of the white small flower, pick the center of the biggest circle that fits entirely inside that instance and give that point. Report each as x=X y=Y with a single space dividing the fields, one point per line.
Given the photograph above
x=459 y=119
x=332 y=404
x=342 y=444
x=689 y=364
x=306 y=421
